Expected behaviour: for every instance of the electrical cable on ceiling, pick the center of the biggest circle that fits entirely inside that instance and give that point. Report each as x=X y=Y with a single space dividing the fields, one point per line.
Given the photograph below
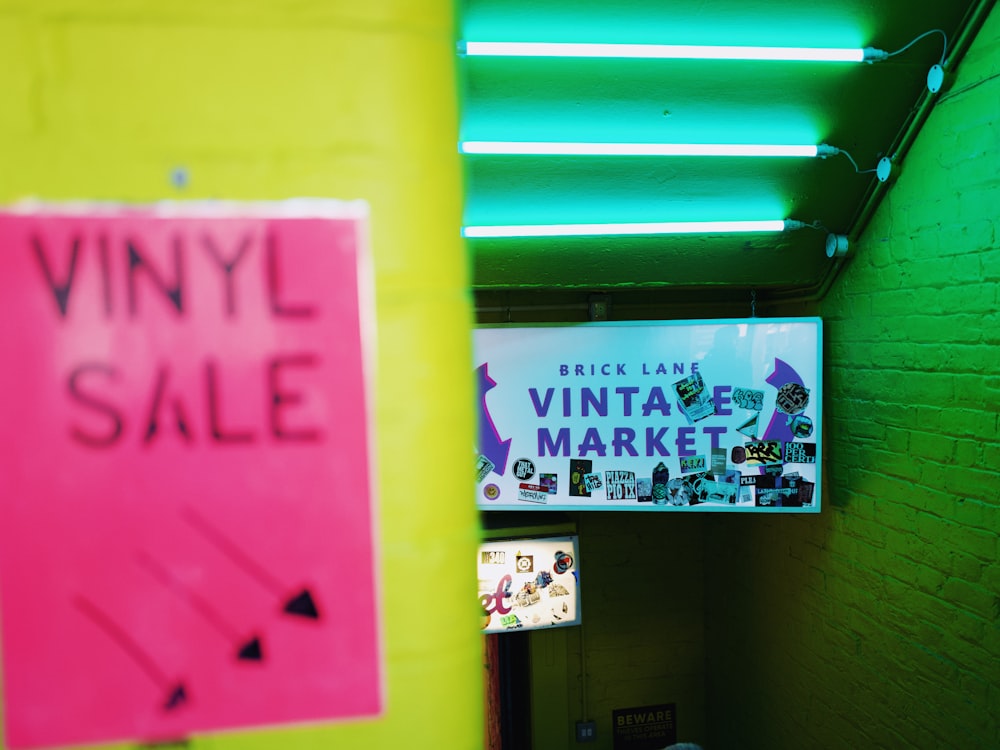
x=825 y=150
x=882 y=170
x=905 y=47
x=935 y=76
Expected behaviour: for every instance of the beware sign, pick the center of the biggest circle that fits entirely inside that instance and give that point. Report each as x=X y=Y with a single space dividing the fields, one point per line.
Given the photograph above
x=644 y=727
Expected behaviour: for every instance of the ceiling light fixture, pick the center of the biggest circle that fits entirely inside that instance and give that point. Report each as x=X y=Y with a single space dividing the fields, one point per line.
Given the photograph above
x=635 y=228
x=546 y=148
x=671 y=51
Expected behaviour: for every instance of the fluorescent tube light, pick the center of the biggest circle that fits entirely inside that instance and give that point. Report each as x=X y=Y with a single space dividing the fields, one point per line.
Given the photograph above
x=668 y=51
x=601 y=230
x=633 y=149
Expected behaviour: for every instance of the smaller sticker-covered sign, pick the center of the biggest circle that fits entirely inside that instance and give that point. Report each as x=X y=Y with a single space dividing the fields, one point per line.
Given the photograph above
x=527 y=584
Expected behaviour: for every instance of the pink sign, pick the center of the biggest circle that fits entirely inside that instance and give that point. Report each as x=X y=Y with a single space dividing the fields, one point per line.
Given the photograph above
x=186 y=507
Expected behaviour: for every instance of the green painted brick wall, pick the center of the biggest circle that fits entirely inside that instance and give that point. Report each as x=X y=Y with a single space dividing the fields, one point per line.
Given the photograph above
x=642 y=641
x=875 y=624
x=644 y=628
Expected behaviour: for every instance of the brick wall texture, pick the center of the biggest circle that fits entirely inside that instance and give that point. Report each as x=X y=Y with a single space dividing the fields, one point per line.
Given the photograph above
x=267 y=100
x=643 y=631
x=875 y=623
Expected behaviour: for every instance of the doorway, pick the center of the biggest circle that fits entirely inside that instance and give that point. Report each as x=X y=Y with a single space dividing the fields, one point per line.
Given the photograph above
x=508 y=691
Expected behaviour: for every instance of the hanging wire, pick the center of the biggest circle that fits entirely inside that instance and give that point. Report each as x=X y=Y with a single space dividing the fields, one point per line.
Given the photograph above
x=877 y=56
x=855 y=164
x=944 y=52
x=753 y=303
x=817 y=224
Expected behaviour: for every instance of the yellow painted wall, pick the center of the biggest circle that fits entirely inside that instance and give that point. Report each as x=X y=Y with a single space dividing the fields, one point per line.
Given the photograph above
x=262 y=99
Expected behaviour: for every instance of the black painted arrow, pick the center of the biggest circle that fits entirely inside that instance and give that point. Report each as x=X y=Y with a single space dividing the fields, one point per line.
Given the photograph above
x=247 y=650
x=301 y=603
x=176 y=698
x=175 y=692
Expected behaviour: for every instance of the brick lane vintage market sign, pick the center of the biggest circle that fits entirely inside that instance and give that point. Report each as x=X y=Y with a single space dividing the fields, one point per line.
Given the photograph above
x=711 y=415
x=186 y=531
